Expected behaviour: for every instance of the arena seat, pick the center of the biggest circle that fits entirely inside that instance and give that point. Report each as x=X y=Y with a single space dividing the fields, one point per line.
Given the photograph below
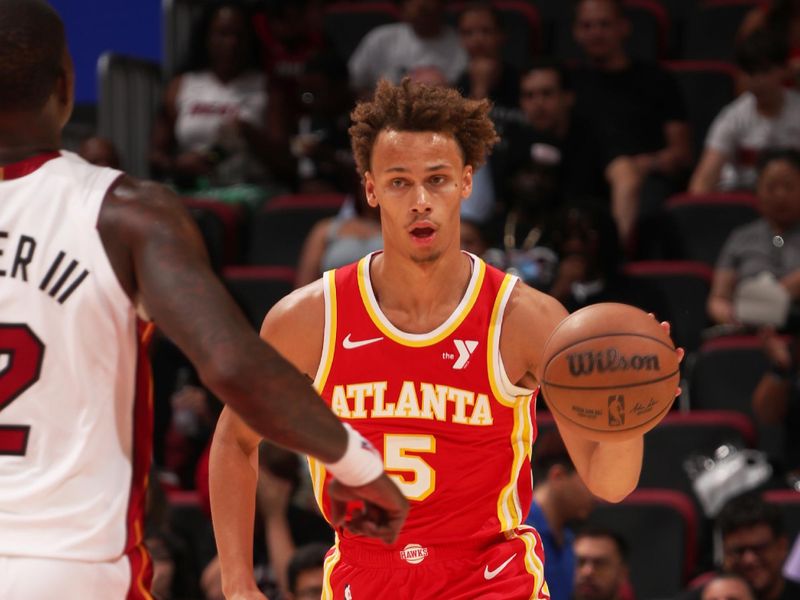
x=726 y=372
x=712 y=27
x=648 y=40
x=346 y=23
x=660 y=525
x=130 y=94
x=696 y=226
x=683 y=287
x=522 y=26
x=280 y=227
x=257 y=289
x=231 y=218
x=789 y=503
x=707 y=87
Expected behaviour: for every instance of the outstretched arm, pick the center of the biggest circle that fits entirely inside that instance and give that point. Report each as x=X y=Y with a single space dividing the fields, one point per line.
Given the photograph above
x=159 y=258
x=609 y=469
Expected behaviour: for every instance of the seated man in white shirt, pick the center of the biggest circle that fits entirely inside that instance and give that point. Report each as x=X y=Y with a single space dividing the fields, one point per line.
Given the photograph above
x=767 y=116
x=422 y=40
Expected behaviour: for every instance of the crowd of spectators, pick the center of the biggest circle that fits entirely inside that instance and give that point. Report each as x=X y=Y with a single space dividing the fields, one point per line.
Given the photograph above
x=590 y=152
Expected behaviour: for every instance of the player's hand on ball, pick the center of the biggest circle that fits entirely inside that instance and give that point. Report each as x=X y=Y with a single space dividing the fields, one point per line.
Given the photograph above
x=383 y=514
x=679 y=352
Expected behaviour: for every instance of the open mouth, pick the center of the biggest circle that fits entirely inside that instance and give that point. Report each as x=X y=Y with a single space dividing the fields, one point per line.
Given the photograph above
x=422 y=232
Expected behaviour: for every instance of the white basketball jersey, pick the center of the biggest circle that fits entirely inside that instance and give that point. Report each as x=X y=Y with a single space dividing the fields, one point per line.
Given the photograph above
x=74 y=441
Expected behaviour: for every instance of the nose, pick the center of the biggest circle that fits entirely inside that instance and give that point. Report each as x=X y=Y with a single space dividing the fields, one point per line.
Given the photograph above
x=422 y=202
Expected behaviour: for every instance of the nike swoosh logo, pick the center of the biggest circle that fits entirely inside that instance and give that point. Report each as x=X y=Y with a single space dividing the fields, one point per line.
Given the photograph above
x=487 y=574
x=349 y=344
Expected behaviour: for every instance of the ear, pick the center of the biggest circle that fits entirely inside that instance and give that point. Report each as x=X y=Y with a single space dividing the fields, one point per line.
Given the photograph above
x=64 y=91
x=369 y=189
x=466 y=182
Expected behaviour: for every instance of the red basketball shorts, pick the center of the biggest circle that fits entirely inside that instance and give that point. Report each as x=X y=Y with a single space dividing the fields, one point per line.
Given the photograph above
x=509 y=567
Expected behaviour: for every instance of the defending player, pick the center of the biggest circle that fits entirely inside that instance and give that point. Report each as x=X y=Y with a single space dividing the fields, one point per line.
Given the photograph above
x=435 y=356
x=81 y=248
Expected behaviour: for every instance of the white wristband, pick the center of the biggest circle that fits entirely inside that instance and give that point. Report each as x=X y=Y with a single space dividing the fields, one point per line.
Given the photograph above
x=361 y=463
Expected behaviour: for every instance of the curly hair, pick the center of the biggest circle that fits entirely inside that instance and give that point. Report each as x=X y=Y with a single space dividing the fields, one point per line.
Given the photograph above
x=416 y=107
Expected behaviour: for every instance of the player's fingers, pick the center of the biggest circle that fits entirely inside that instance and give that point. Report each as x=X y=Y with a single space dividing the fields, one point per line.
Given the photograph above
x=681 y=353
x=666 y=326
x=678 y=391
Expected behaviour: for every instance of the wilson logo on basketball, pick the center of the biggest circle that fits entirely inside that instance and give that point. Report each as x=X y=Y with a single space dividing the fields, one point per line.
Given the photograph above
x=609 y=361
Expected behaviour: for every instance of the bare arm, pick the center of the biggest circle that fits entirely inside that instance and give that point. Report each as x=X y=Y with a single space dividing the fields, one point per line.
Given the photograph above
x=609 y=469
x=706 y=175
x=676 y=154
x=233 y=473
x=159 y=258
x=720 y=298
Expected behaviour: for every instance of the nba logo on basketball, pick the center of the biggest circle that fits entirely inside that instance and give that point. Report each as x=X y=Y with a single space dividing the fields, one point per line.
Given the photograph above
x=616 y=410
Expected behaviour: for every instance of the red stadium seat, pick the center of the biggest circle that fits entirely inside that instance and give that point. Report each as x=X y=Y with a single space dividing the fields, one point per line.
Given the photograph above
x=231 y=218
x=695 y=227
x=280 y=228
x=789 y=503
x=257 y=289
x=682 y=287
x=712 y=28
x=707 y=86
x=656 y=523
x=726 y=372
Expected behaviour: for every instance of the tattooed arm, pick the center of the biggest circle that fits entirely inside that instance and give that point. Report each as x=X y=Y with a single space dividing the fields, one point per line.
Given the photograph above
x=159 y=258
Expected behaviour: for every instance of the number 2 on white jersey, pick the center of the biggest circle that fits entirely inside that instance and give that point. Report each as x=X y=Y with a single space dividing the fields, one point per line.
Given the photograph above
x=396 y=448
x=21 y=354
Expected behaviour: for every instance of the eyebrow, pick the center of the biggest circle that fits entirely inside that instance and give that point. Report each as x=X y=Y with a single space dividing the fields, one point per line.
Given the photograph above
x=405 y=170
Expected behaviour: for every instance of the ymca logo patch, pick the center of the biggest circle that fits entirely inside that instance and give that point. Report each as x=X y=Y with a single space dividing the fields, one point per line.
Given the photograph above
x=465 y=349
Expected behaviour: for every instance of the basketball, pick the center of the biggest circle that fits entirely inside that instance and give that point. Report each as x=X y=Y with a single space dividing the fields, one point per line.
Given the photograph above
x=610 y=372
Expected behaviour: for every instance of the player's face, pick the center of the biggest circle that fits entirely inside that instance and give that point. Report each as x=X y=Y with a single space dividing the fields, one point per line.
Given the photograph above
x=727 y=589
x=779 y=193
x=228 y=40
x=542 y=99
x=599 y=570
x=418 y=179
x=599 y=29
x=755 y=554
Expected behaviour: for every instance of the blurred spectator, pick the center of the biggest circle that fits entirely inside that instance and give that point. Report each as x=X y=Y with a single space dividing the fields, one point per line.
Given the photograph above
x=770 y=244
x=99 y=151
x=727 y=586
x=392 y=51
x=553 y=141
x=754 y=545
x=781 y=18
x=291 y=35
x=213 y=129
x=639 y=109
x=766 y=116
x=473 y=237
x=776 y=399
x=339 y=240
x=480 y=27
x=319 y=138
x=601 y=565
x=306 y=575
x=559 y=498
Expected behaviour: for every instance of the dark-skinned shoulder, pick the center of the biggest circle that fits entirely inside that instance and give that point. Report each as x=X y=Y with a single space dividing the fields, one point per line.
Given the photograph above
x=134 y=210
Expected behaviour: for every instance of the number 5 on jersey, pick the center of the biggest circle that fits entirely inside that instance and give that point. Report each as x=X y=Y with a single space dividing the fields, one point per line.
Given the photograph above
x=21 y=354
x=396 y=448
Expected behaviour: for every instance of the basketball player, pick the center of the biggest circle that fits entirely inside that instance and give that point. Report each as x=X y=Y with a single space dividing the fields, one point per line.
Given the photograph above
x=81 y=248
x=436 y=357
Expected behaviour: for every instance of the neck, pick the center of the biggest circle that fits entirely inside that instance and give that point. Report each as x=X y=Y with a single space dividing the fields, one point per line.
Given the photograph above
x=617 y=61
x=18 y=143
x=544 y=498
x=418 y=297
x=771 y=105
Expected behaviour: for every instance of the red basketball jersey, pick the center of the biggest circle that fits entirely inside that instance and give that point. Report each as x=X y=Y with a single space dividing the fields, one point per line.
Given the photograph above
x=454 y=432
